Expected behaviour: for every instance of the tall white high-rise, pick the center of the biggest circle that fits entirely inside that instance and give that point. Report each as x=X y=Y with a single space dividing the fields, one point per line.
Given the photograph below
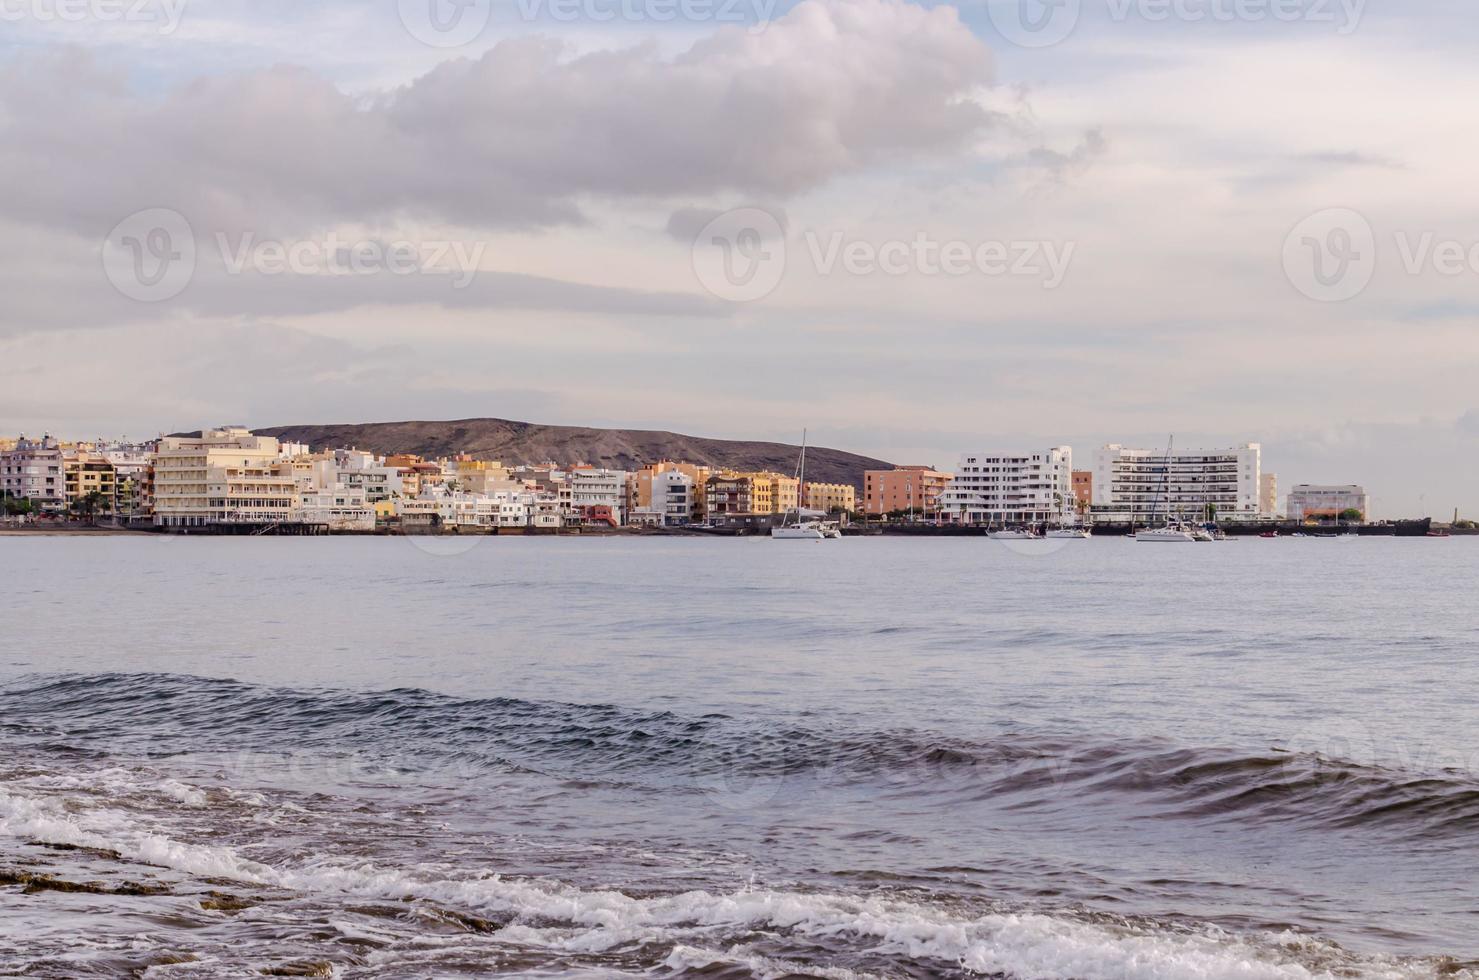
x=1193 y=484
x=1006 y=488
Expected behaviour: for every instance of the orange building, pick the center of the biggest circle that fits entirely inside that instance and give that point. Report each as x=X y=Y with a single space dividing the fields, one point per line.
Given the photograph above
x=1083 y=489
x=903 y=488
x=639 y=485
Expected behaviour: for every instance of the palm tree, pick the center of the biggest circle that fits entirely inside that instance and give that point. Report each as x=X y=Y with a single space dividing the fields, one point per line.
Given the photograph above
x=88 y=505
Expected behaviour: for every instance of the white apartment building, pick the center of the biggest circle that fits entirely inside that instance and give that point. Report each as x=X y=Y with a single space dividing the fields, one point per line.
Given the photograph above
x=338 y=508
x=472 y=510
x=1145 y=485
x=599 y=488
x=437 y=511
x=547 y=510
x=252 y=494
x=673 y=500
x=33 y=469
x=131 y=466
x=1311 y=501
x=513 y=511
x=1010 y=488
x=222 y=476
x=1268 y=495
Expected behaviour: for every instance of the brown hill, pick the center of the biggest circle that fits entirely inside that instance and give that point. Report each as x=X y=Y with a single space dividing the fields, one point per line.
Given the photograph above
x=625 y=449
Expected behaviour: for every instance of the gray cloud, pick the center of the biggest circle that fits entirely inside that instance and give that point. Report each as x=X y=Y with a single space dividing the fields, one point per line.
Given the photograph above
x=514 y=138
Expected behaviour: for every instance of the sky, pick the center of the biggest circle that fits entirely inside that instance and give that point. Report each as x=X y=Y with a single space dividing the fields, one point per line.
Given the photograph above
x=913 y=229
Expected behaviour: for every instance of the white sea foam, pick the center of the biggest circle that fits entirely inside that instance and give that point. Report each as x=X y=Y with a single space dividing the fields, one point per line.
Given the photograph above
x=684 y=958
x=1015 y=944
x=119 y=783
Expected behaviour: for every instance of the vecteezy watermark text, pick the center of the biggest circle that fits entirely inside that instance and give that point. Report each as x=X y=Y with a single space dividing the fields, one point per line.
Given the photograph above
x=1043 y=23
x=923 y=255
x=165 y=14
x=755 y=12
x=1332 y=255
x=743 y=254
x=152 y=256
x=336 y=256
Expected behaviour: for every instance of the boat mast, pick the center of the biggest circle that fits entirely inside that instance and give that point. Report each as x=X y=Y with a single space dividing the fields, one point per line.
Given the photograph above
x=800 y=476
x=1165 y=486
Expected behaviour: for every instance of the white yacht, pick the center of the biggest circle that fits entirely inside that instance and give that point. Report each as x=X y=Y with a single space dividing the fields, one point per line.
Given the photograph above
x=1013 y=534
x=1071 y=531
x=1170 y=532
x=804 y=529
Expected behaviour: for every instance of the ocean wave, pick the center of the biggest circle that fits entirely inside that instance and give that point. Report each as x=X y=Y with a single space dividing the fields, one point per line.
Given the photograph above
x=766 y=931
x=741 y=762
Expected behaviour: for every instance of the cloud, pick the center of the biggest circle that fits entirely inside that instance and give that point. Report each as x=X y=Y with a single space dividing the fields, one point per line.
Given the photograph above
x=514 y=138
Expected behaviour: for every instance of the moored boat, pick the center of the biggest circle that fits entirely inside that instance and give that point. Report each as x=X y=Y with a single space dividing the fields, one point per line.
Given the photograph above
x=1170 y=533
x=804 y=529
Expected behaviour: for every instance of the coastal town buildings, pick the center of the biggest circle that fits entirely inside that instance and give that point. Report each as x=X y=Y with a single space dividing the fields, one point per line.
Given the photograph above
x=829 y=498
x=1083 y=490
x=221 y=476
x=904 y=488
x=1314 y=501
x=640 y=488
x=33 y=470
x=739 y=494
x=337 y=508
x=91 y=483
x=666 y=499
x=133 y=479
x=597 y=487
x=753 y=494
x=231 y=477
x=1011 y=488
x=1268 y=495
x=1146 y=485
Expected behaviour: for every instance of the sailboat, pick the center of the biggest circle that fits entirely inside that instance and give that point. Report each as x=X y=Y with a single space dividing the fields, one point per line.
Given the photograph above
x=804 y=529
x=1066 y=529
x=1170 y=532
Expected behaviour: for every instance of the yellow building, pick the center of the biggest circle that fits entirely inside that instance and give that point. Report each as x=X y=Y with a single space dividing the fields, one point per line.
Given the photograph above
x=91 y=482
x=752 y=493
x=253 y=493
x=480 y=475
x=831 y=497
x=785 y=492
x=199 y=480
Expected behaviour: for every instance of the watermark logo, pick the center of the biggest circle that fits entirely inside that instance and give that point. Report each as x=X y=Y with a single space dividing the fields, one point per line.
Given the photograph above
x=1034 y=23
x=1330 y=256
x=165 y=15
x=1044 y=543
x=740 y=256
x=1044 y=23
x=756 y=13
x=150 y=255
x=924 y=255
x=336 y=256
x=445 y=23
x=440 y=543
